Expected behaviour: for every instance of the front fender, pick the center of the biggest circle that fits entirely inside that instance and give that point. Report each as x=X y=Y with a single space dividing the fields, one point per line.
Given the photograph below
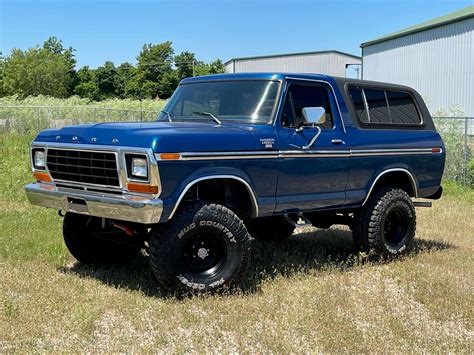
x=171 y=203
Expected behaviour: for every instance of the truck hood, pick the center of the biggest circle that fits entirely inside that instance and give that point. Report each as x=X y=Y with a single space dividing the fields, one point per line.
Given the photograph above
x=165 y=136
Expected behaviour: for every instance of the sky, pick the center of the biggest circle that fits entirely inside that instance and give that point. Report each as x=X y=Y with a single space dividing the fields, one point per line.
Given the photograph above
x=102 y=30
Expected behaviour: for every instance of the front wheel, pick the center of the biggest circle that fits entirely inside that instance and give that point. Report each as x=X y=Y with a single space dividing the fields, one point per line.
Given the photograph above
x=386 y=225
x=203 y=249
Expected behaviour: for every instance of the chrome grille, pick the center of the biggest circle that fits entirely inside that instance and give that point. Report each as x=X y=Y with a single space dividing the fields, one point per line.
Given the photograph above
x=98 y=168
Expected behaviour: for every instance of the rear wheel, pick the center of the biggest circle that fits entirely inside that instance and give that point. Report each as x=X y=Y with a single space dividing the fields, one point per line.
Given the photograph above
x=204 y=248
x=91 y=241
x=386 y=225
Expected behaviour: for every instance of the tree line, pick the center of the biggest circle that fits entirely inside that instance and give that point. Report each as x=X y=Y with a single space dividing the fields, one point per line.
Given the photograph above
x=50 y=70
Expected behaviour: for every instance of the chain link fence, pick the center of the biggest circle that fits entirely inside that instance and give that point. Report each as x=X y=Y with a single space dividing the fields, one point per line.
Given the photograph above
x=32 y=119
x=457 y=132
x=458 y=136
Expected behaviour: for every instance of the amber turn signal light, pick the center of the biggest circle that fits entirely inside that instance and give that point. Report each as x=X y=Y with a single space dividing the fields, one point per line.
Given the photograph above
x=170 y=156
x=147 y=189
x=42 y=176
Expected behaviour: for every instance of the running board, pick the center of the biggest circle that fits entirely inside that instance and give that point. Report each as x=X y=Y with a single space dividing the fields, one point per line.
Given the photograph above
x=422 y=204
x=302 y=221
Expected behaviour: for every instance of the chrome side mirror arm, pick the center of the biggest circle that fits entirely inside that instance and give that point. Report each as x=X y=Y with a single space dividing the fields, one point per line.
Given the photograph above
x=314 y=139
x=306 y=147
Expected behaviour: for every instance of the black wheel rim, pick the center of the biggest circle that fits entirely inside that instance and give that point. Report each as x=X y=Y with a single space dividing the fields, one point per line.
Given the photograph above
x=395 y=226
x=203 y=253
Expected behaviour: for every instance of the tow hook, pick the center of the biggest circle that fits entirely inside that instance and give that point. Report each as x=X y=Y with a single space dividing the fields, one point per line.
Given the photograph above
x=127 y=230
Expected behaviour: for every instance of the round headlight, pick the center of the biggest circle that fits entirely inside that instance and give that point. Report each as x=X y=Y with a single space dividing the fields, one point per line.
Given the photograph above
x=139 y=167
x=39 y=159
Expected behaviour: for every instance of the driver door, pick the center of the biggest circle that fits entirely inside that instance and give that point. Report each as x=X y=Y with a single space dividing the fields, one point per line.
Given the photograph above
x=316 y=177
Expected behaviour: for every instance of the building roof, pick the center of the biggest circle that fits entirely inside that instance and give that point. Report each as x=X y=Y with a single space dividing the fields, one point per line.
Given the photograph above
x=457 y=16
x=292 y=54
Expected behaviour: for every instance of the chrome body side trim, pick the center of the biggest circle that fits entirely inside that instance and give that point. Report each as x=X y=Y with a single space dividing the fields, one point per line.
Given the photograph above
x=126 y=207
x=264 y=154
x=413 y=181
x=314 y=153
x=213 y=177
x=394 y=151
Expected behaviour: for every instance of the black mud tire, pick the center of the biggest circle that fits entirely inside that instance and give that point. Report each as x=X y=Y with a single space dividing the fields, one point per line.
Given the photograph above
x=79 y=232
x=385 y=227
x=270 y=228
x=204 y=248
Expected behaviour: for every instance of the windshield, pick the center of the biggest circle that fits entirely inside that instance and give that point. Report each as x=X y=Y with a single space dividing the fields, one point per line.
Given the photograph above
x=247 y=101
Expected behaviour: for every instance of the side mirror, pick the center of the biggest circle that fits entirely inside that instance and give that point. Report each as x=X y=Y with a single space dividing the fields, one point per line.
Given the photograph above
x=314 y=115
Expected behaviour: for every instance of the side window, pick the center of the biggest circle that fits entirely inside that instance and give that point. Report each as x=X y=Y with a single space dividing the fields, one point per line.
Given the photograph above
x=402 y=108
x=301 y=96
x=376 y=106
x=359 y=105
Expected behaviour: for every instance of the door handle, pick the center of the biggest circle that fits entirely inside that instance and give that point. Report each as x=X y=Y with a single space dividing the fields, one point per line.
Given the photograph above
x=337 y=141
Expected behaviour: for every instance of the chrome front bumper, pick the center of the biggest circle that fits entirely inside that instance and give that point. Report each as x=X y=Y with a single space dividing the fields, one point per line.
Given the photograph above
x=124 y=207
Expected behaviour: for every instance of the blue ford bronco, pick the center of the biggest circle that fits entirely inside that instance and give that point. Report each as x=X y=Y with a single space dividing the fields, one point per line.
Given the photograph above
x=240 y=156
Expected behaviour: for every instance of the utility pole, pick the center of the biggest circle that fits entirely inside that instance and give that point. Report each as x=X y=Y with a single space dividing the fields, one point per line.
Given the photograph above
x=357 y=68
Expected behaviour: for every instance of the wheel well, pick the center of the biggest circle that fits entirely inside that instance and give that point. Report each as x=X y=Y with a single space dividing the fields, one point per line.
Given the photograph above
x=228 y=192
x=400 y=179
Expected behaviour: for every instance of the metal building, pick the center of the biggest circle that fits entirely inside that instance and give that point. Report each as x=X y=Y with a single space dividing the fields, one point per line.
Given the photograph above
x=435 y=57
x=324 y=62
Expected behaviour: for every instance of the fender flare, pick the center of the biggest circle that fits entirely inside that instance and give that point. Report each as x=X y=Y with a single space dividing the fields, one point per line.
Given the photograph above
x=215 y=177
x=406 y=171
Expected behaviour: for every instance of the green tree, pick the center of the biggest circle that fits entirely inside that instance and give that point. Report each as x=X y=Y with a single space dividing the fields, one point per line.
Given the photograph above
x=47 y=70
x=105 y=77
x=86 y=84
x=154 y=61
x=215 y=67
x=124 y=84
x=185 y=63
x=2 y=67
x=55 y=46
x=168 y=84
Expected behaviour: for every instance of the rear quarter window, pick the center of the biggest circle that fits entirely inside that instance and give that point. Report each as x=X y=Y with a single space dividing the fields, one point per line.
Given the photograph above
x=402 y=108
x=377 y=104
x=378 y=107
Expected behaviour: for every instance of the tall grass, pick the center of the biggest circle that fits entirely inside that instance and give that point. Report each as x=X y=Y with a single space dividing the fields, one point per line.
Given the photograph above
x=34 y=114
x=451 y=124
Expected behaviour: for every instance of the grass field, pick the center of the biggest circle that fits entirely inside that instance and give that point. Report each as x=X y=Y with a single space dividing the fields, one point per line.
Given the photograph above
x=308 y=294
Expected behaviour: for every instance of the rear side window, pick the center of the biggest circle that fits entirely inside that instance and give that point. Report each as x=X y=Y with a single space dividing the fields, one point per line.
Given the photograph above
x=358 y=101
x=376 y=106
x=402 y=108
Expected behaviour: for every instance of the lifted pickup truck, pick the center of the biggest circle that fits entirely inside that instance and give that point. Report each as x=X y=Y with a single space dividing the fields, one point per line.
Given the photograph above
x=237 y=156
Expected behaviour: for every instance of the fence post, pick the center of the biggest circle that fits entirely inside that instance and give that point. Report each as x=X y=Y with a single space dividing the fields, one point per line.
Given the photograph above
x=465 y=171
x=38 y=127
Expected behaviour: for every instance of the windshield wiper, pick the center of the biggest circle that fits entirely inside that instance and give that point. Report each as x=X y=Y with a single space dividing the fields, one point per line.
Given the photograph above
x=208 y=114
x=168 y=114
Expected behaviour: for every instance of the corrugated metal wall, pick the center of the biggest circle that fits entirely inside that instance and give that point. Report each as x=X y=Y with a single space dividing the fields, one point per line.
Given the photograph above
x=323 y=63
x=438 y=63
